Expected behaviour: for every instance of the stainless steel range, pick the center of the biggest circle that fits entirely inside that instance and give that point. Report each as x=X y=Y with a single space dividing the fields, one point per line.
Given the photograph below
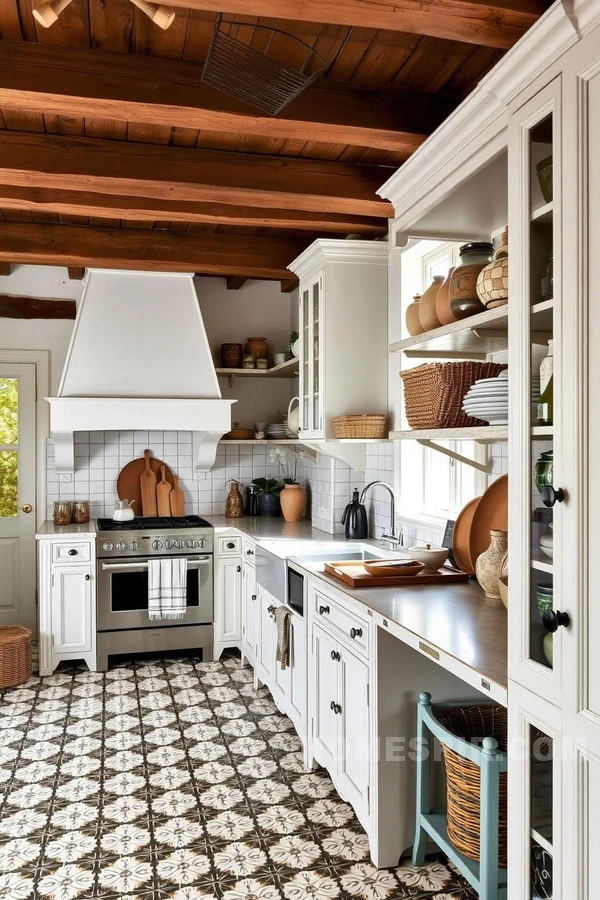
x=123 y=550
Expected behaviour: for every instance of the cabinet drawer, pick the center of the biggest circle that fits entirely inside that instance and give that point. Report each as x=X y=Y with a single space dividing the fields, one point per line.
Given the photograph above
x=342 y=622
x=249 y=551
x=73 y=552
x=230 y=546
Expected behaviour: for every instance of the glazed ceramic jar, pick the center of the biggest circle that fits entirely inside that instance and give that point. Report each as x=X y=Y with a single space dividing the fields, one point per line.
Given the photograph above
x=544 y=597
x=488 y=567
x=442 y=302
x=544 y=469
x=258 y=347
x=492 y=281
x=427 y=313
x=464 y=301
x=413 y=324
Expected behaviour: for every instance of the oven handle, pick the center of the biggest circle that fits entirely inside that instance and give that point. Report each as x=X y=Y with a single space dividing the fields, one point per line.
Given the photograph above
x=112 y=567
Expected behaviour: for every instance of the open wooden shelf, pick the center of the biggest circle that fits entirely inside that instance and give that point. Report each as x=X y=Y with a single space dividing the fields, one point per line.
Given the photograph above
x=542 y=431
x=287 y=369
x=542 y=565
x=485 y=434
x=543 y=214
x=264 y=441
x=475 y=337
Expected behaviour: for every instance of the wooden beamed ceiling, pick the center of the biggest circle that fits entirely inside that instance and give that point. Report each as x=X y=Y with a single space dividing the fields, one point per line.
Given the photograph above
x=114 y=153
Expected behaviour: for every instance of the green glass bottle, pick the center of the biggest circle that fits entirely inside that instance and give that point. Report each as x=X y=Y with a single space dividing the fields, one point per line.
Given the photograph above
x=545 y=410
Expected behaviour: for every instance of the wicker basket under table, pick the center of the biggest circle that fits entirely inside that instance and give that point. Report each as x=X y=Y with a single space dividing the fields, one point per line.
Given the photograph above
x=15 y=655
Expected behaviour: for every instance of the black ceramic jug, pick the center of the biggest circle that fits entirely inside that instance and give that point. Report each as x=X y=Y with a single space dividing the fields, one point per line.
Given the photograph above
x=355 y=519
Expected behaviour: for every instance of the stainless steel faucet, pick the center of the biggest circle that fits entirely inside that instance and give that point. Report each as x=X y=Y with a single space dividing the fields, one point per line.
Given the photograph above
x=390 y=537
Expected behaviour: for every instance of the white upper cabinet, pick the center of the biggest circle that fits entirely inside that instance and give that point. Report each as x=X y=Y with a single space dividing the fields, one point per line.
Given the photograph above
x=342 y=324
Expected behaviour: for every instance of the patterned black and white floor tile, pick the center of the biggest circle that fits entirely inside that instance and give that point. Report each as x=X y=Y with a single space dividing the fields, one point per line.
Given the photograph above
x=176 y=780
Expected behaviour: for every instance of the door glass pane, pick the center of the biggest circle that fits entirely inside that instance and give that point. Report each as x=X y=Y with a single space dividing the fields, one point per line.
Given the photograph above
x=541 y=810
x=9 y=410
x=9 y=492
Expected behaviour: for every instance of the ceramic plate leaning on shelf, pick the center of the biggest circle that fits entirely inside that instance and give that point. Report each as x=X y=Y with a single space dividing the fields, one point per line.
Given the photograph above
x=461 y=537
x=491 y=515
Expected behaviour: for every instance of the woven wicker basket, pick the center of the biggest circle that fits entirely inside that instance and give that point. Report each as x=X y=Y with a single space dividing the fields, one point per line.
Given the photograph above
x=15 y=655
x=473 y=723
x=433 y=393
x=359 y=426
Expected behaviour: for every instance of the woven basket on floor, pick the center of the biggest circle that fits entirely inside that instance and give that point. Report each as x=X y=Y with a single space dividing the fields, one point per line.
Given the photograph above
x=463 y=777
x=15 y=655
x=434 y=392
x=359 y=426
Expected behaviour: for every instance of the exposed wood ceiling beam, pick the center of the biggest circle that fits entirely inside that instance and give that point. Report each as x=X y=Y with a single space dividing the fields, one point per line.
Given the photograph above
x=35 y=308
x=234 y=283
x=203 y=253
x=492 y=23
x=141 y=209
x=288 y=285
x=148 y=170
x=76 y=273
x=5 y=269
x=72 y=82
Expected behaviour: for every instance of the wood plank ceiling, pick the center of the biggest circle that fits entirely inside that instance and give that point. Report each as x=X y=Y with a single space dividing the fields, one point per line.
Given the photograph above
x=113 y=152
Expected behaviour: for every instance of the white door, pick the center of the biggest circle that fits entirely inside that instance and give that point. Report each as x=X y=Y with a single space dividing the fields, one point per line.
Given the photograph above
x=297 y=687
x=249 y=601
x=17 y=495
x=71 y=609
x=266 y=642
x=354 y=717
x=325 y=698
x=229 y=600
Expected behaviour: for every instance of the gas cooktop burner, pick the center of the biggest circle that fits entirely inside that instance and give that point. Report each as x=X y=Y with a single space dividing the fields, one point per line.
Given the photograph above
x=153 y=523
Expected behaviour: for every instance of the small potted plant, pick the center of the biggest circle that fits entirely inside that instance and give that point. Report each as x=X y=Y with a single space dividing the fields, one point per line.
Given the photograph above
x=293 y=495
x=268 y=496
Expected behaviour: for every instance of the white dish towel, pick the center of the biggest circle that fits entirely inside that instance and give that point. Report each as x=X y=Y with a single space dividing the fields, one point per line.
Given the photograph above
x=167 y=588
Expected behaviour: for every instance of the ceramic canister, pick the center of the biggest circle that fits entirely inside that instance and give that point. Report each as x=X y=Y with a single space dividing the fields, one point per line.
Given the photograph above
x=463 y=284
x=427 y=314
x=442 y=302
x=413 y=324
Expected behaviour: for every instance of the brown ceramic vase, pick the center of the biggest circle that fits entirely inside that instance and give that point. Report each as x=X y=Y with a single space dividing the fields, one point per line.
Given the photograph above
x=293 y=502
x=442 y=302
x=413 y=325
x=258 y=347
x=427 y=314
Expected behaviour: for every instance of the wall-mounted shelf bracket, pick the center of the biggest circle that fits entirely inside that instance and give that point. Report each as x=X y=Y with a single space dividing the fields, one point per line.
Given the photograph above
x=486 y=468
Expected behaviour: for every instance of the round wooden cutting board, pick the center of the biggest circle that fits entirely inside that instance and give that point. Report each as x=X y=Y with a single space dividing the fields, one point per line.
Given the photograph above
x=128 y=480
x=461 y=537
x=491 y=514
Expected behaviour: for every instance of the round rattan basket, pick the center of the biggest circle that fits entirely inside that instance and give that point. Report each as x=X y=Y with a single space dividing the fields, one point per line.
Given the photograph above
x=359 y=426
x=463 y=777
x=15 y=655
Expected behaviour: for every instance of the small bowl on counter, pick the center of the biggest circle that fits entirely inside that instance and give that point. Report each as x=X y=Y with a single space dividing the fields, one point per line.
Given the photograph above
x=433 y=558
x=387 y=568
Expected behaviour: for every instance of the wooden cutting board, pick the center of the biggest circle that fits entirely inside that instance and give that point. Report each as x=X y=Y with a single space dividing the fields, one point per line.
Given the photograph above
x=355 y=575
x=177 y=499
x=148 y=488
x=128 y=481
x=163 y=490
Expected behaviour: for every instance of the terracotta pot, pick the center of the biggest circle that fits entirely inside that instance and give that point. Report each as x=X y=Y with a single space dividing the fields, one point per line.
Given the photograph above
x=234 y=505
x=413 y=325
x=232 y=356
x=293 y=502
x=258 y=347
x=488 y=567
x=464 y=301
x=427 y=314
x=492 y=281
x=442 y=302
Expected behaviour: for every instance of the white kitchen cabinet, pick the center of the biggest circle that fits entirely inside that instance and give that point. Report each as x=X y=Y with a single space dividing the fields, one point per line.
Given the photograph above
x=249 y=613
x=324 y=728
x=343 y=312
x=355 y=741
x=267 y=637
x=228 y=603
x=297 y=686
x=67 y=603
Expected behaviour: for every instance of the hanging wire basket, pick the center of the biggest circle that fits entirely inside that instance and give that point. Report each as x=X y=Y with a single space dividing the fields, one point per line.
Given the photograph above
x=265 y=78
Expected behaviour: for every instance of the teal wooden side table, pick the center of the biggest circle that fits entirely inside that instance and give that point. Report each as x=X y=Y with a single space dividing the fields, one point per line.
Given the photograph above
x=488 y=879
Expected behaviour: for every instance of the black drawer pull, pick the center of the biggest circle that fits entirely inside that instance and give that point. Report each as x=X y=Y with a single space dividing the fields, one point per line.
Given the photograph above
x=324 y=610
x=335 y=654
x=231 y=545
x=72 y=552
x=249 y=552
x=335 y=707
x=355 y=632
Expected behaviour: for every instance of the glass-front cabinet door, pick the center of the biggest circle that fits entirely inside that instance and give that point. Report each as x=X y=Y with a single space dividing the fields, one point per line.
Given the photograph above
x=311 y=370
x=535 y=275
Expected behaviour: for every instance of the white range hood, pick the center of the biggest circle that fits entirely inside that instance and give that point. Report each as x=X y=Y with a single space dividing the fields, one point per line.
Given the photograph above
x=139 y=359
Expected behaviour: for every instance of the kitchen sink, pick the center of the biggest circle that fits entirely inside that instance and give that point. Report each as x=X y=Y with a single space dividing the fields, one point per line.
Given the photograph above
x=343 y=556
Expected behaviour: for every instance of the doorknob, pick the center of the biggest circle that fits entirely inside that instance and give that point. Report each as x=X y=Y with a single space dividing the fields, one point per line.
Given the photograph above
x=27 y=507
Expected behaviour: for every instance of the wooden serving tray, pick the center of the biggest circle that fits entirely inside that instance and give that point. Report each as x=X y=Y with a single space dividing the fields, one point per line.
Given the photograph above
x=355 y=575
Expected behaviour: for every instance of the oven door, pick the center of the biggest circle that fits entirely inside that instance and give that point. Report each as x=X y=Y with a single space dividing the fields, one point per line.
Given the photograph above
x=123 y=594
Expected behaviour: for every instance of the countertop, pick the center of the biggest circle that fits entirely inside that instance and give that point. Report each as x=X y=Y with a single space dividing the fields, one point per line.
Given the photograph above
x=262 y=527
x=48 y=530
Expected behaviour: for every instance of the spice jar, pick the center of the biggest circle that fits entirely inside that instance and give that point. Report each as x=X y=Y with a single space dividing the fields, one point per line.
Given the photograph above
x=474 y=257
x=63 y=512
x=249 y=361
x=81 y=512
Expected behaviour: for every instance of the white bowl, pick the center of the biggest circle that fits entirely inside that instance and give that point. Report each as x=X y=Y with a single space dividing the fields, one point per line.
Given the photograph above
x=432 y=557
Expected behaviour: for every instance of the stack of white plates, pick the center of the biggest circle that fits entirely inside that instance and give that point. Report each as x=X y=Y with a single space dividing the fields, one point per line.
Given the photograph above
x=277 y=431
x=487 y=400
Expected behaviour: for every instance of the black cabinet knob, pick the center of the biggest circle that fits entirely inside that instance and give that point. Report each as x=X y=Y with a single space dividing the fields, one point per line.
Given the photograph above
x=249 y=552
x=72 y=552
x=231 y=545
x=324 y=610
x=553 y=619
x=87 y=577
x=238 y=568
x=335 y=655
x=355 y=632
x=551 y=495
x=335 y=707
x=254 y=596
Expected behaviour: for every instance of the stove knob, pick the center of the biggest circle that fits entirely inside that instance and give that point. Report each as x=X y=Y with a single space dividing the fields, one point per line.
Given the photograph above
x=107 y=546
x=121 y=546
x=156 y=545
x=180 y=544
x=169 y=545
x=134 y=545
x=191 y=544
x=202 y=542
